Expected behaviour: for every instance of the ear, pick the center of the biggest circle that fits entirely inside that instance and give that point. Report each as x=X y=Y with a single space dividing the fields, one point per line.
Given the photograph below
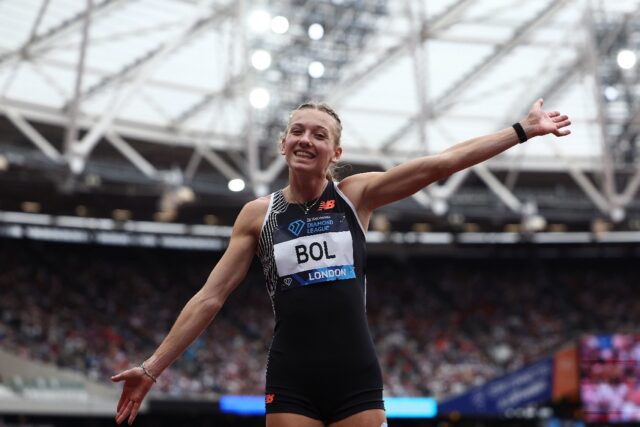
x=337 y=153
x=281 y=146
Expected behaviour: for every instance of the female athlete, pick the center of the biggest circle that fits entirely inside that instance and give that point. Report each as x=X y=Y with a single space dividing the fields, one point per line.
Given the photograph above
x=310 y=237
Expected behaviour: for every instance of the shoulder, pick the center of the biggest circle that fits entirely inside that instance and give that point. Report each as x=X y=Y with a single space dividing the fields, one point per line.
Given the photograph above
x=355 y=186
x=257 y=206
x=252 y=215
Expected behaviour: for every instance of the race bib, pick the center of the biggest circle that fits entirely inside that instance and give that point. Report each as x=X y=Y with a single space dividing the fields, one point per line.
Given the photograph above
x=314 y=249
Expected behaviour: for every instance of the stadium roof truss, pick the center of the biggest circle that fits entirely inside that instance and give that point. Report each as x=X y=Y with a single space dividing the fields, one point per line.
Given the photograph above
x=409 y=77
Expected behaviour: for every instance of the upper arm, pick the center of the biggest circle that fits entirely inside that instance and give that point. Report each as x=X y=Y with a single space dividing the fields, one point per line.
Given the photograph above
x=229 y=272
x=368 y=191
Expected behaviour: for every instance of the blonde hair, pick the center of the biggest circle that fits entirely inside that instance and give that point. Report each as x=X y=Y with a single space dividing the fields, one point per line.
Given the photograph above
x=321 y=106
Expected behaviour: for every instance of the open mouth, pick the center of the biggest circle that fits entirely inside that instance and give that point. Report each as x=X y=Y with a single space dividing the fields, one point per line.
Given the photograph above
x=303 y=154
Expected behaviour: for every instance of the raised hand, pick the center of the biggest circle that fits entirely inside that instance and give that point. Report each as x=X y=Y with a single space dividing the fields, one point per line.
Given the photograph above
x=540 y=122
x=136 y=386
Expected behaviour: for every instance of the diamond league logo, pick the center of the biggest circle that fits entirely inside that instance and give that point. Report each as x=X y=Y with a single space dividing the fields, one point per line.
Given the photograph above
x=287 y=281
x=296 y=227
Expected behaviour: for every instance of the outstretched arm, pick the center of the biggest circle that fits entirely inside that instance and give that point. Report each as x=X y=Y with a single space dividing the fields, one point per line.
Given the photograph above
x=369 y=191
x=197 y=314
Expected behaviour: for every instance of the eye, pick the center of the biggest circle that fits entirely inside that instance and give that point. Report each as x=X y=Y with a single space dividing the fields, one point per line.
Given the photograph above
x=296 y=131
x=320 y=136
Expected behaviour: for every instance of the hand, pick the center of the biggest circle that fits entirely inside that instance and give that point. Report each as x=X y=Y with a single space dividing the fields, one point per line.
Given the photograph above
x=136 y=386
x=539 y=122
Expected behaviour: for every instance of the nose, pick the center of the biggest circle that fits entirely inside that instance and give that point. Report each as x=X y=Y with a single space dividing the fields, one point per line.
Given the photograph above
x=305 y=139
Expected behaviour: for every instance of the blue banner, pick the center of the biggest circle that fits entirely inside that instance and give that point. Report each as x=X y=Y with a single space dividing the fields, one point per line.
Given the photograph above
x=396 y=407
x=529 y=385
x=410 y=407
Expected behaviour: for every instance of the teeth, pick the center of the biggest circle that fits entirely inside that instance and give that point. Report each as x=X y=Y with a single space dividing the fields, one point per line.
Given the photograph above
x=303 y=154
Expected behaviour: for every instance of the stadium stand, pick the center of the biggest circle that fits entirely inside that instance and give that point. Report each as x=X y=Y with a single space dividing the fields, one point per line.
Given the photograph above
x=440 y=325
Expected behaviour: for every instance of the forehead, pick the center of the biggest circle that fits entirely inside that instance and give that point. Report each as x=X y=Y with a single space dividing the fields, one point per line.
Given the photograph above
x=311 y=118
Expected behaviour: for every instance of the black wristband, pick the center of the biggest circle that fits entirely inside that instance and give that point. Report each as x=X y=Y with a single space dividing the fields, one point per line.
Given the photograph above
x=522 y=136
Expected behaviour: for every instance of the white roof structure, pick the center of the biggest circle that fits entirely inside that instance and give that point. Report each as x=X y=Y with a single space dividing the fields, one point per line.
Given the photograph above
x=150 y=78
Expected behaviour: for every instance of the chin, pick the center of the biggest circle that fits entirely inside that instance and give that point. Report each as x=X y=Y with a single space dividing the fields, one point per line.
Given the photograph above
x=307 y=169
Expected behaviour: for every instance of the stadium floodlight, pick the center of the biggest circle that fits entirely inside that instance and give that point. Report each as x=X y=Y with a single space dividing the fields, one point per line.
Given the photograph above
x=316 y=69
x=185 y=194
x=439 y=206
x=259 y=98
x=76 y=164
x=626 y=59
x=259 y=21
x=316 y=31
x=611 y=93
x=534 y=223
x=261 y=60
x=617 y=214
x=279 y=25
x=236 y=185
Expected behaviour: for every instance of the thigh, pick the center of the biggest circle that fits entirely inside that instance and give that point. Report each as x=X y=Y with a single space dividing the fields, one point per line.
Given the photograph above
x=368 y=418
x=285 y=419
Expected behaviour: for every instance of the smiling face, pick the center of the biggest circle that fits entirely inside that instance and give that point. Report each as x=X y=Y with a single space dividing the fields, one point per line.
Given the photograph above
x=310 y=143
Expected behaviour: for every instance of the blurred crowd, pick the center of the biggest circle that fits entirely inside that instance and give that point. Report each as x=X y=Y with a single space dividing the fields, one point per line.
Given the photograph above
x=440 y=325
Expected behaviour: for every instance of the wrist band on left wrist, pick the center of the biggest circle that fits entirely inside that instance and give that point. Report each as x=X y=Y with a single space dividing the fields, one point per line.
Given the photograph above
x=522 y=135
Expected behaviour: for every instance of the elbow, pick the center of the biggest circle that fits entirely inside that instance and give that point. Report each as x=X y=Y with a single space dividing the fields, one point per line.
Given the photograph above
x=208 y=303
x=214 y=293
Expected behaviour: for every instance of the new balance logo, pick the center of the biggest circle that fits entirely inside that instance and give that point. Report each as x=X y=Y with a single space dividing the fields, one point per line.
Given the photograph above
x=327 y=205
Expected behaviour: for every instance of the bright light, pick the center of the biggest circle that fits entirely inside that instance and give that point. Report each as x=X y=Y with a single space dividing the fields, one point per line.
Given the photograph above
x=185 y=194
x=259 y=98
x=617 y=214
x=316 y=31
x=261 y=59
x=76 y=164
x=611 y=93
x=279 y=25
x=259 y=21
x=236 y=185
x=316 y=69
x=626 y=59
x=534 y=223
x=439 y=207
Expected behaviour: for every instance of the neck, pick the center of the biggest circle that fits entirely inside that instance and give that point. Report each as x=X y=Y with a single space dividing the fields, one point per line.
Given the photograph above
x=305 y=189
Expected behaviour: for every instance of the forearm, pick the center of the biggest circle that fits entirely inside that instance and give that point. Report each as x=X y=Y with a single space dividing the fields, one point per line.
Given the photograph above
x=203 y=307
x=477 y=150
x=194 y=318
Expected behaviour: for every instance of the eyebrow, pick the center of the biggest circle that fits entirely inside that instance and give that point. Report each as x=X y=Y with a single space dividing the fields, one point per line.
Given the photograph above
x=314 y=126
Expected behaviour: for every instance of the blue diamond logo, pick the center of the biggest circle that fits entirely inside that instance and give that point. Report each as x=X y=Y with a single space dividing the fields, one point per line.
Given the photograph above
x=296 y=227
